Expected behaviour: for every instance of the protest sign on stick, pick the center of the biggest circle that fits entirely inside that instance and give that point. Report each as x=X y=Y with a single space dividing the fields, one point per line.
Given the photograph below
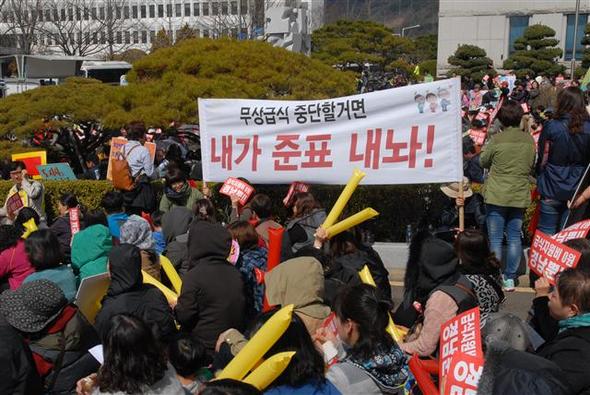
x=460 y=336
x=74 y=221
x=239 y=188
x=295 y=188
x=548 y=257
x=576 y=231
x=464 y=374
x=56 y=171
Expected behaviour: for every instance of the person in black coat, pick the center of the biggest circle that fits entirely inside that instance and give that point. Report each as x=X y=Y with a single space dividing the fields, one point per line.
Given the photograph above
x=17 y=370
x=127 y=294
x=61 y=226
x=212 y=298
x=569 y=302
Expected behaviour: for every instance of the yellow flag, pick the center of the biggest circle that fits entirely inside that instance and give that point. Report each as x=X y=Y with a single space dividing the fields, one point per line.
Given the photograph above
x=417 y=70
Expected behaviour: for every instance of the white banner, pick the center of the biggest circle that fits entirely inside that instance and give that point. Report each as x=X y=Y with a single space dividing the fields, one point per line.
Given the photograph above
x=407 y=135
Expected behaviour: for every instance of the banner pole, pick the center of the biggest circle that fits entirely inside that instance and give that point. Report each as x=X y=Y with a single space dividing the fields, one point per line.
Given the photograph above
x=461 y=208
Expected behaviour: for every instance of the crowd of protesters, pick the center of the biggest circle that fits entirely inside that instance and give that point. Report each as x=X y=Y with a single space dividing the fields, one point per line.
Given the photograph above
x=534 y=133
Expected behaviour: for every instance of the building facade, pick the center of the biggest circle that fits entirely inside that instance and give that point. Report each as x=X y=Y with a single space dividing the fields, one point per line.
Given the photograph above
x=494 y=25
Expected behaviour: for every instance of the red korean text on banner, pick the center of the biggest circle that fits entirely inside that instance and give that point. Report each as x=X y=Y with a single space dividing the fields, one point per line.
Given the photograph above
x=239 y=188
x=460 y=335
x=548 y=257
x=295 y=188
x=14 y=203
x=74 y=220
x=464 y=375
x=578 y=230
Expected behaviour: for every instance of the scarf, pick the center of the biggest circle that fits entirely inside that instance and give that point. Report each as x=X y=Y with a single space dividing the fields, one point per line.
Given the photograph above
x=387 y=367
x=180 y=195
x=577 y=321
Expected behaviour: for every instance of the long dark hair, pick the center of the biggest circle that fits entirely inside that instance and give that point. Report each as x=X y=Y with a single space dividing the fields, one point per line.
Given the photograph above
x=307 y=365
x=42 y=248
x=473 y=249
x=305 y=203
x=133 y=358
x=69 y=200
x=9 y=236
x=570 y=102
x=24 y=215
x=204 y=210
x=361 y=304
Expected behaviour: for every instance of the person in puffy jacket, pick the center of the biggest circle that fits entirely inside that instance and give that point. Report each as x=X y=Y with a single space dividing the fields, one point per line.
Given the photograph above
x=307 y=217
x=91 y=247
x=558 y=174
x=175 y=226
x=61 y=226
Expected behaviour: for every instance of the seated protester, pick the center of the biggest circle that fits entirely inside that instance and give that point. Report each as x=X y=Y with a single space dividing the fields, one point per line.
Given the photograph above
x=252 y=256
x=142 y=197
x=175 y=225
x=137 y=231
x=509 y=366
x=112 y=203
x=45 y=255
x=25 y=214
x=448 y=220
x=134 y=363
x=31 y=192
x=91 y=246
x=203 y=211
x=471 y=167
x=178 y=192
x=14 y=262
x=239 y=213
x=347 y=250
x=61 y=226
x=261 y=206
x=212 y=296
x=374 y=363
x=434 y=292
x=305 y=372
x=569 y=303
x=127 y=294
x=157 y=234
x=189 y=359
x=307 y=217
x=482 y=269
x=299 y=281
x=58 y=335
x=18 y=373
x=93 y=169
x=542 y=320
x=229 y=387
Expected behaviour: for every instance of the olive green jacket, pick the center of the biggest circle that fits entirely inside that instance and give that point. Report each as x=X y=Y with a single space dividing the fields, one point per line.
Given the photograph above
x=510 y=158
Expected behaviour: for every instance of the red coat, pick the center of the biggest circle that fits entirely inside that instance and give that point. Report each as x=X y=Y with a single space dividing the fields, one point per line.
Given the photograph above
x=15 y=265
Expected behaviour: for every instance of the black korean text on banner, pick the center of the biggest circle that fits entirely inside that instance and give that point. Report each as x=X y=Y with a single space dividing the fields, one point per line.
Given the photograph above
x=397 y=136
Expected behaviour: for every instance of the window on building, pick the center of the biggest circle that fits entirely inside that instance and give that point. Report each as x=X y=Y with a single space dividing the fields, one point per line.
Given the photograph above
x=169 y=10
x=135 y=37
x=40 y=16
x=55 y=14
x=244 y=7
x=196 y=9
x=119 y=38
x=126 y=12
x=103 y=38
x=143 y=11
x=101 y=13
x=86 y=14
x=144 y=36
x=95 y=38
x=205 y=32
x=569 y=36
x=234 y=8
x=152 y=11
x=134 y=12
x=152 y=35
x=78 y=14
x=127 y=37
x=70 y=14
x=518 y=25
x=224 y=9
x=205 y=9
x=215 y=8
x=93 y=13
x=178 y=10
x=118 y=12
x=187 y=9
x=160 y=10
x=62 y=14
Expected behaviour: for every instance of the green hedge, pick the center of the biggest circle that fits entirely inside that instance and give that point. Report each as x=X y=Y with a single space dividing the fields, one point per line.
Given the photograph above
x=398 y=205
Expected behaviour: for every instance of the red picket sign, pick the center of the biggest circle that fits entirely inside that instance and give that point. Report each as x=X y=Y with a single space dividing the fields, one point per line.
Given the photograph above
x=578 y=230
x=74 y=220
x=295 y=188
x=464 y=375
x=14 y=203
x=459 y=336
x=548 y=257
x=234 y=186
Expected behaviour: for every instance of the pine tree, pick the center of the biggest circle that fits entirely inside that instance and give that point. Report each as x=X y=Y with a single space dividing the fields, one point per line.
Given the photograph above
x=471 y=61
x=536 y=53
x=586 y=54
x=162 y=40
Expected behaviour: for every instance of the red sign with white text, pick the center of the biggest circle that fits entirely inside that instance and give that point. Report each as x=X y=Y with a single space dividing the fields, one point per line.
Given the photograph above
x=548 y=256
x=460 y=335
x=74 y=220
x=295 y=188
x=239 y=188
x=463 y=375
x=578 y=230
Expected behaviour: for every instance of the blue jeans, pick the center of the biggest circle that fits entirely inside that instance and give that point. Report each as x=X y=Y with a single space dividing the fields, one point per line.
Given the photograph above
x=499 y=219
x=553 y=216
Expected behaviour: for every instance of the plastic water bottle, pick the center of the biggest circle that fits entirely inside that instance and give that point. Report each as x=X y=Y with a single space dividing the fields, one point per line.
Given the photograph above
x=408 y=234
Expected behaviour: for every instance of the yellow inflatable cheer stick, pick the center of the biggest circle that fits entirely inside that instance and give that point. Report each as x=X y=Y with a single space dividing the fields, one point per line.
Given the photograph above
x=258 y=345
x=351 y=221
x=30 y=226
x=168 y=293
x=367 y=278
x=347 y=192
x=269 y=370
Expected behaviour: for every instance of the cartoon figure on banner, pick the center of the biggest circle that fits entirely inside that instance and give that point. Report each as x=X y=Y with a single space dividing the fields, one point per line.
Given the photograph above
x=432 y=101
x=420 y=101
x=444 y=97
